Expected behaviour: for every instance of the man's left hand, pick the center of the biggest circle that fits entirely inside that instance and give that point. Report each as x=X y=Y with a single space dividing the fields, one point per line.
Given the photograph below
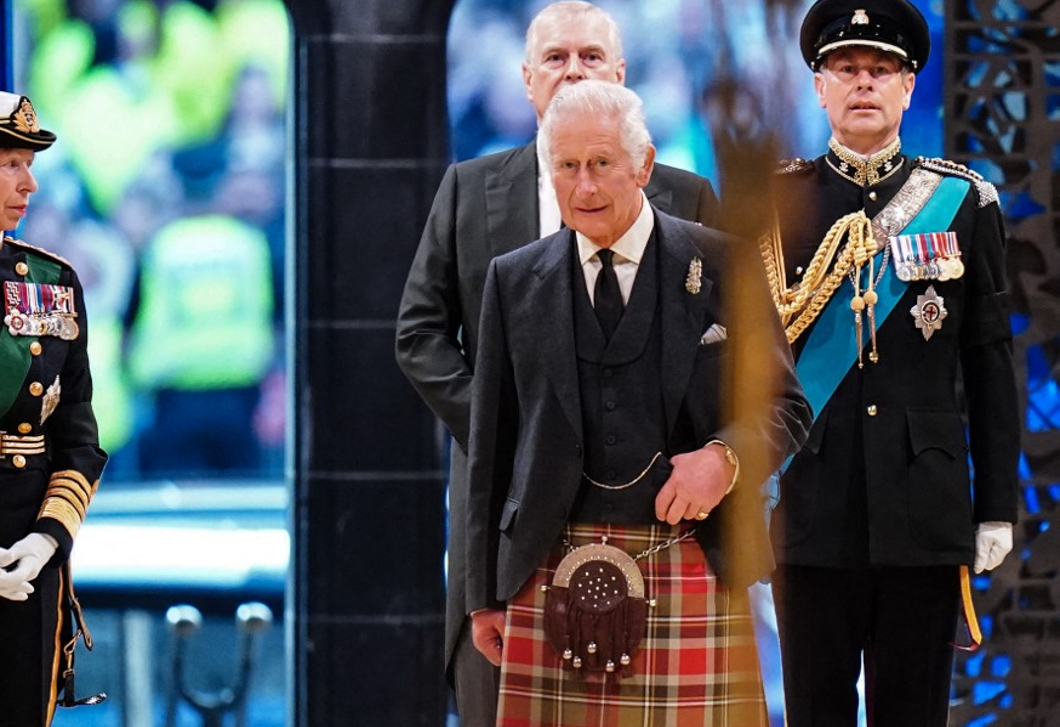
x=487 y=633
x=993 y=541
x=696 y=485
x=25 y=559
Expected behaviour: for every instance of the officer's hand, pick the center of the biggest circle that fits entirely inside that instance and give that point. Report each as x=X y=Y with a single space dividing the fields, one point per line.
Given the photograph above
x=487 y=633
x=22 y=563
x=993 y=541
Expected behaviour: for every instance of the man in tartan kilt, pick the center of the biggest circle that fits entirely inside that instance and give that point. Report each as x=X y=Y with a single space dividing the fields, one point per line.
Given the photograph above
x=632 y=390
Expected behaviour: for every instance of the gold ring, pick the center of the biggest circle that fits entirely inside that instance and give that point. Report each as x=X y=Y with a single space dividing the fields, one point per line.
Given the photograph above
x=702 y=515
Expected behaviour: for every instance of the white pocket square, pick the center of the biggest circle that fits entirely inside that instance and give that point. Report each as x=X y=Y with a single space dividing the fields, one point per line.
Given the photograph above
x=714 y=334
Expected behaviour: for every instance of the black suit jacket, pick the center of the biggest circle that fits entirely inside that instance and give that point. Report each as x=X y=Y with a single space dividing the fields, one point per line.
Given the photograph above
x=484 y=207
x=884 y=476
x=526 y=448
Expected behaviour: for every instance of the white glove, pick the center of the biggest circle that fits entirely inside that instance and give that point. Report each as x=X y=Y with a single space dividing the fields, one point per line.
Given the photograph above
x=22 y=562
x=993 y=541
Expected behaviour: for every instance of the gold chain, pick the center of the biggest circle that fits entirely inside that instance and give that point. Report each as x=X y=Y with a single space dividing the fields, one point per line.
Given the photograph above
x=624 y=485
x=651 y=550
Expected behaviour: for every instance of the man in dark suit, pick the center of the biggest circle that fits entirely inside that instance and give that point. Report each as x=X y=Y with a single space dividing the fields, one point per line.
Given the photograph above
x=602 y=410
x=485 y=207
x=900 y=290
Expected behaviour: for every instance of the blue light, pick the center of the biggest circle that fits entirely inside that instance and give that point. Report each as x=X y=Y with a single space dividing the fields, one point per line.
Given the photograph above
x=983 y=691
x=1000 y=666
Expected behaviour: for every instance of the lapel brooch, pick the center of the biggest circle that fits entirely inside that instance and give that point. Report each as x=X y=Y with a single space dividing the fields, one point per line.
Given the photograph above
x=693 y=281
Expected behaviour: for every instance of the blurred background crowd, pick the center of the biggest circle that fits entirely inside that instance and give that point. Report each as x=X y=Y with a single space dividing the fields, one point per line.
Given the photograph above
x=167 y=193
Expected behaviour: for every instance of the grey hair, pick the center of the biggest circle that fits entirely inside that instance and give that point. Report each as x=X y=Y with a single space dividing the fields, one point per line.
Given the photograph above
x=566 y=11
x=602 y=100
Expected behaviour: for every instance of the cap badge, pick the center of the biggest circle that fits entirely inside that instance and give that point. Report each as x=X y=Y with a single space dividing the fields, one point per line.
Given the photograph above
x=929 y=312
x=25 y=119
x=860 y=17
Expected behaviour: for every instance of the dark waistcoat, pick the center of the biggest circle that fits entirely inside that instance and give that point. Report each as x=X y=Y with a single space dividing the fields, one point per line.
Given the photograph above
x=620 y=384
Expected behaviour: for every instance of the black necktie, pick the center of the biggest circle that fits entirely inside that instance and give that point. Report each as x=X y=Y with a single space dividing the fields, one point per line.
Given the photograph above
x=607 y=298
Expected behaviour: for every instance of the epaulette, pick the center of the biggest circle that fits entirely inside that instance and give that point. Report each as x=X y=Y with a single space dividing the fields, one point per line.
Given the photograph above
x=798 y=165
x=37 y=250
x=987 y=192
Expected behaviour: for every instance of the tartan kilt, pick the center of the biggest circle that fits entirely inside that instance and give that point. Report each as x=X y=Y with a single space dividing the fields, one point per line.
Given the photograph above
x=697 y=664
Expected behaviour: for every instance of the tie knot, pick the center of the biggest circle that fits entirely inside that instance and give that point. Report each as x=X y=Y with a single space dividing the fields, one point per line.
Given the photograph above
x=605 y=257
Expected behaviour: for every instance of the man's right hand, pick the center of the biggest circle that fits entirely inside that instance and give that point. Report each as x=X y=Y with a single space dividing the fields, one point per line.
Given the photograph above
x=487 y=633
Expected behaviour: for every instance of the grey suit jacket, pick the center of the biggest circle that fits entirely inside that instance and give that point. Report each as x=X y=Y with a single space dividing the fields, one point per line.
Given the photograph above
x=526 y=449
x=484 y=207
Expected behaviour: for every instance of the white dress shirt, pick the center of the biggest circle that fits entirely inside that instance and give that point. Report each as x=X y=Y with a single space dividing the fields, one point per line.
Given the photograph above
x=628 y=249
x=548 y=218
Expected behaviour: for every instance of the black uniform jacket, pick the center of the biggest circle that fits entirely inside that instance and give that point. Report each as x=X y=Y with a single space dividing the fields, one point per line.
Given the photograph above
x=48 y=493
x=527 y=451
x=483 y=208
x=884 y=477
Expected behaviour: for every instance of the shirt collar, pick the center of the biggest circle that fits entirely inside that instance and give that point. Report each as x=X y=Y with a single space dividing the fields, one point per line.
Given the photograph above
x=632 y=244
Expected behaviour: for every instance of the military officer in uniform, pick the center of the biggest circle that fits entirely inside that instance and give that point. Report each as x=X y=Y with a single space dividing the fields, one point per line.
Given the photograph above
x=50 y=459
x=888 y=271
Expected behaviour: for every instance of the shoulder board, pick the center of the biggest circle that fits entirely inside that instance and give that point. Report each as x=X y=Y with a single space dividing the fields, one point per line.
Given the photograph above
x=37 y=251
x=797 y=165
x=987 y=192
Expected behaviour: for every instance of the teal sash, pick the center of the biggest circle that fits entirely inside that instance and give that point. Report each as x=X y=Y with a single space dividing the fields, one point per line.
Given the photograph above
x=15 y=357
x=831 y=348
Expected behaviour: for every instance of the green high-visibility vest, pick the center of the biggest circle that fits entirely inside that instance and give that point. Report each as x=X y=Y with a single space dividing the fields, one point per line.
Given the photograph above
x=205 y=317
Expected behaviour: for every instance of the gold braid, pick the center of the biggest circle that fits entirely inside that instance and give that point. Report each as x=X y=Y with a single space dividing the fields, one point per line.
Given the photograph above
x=805 y=301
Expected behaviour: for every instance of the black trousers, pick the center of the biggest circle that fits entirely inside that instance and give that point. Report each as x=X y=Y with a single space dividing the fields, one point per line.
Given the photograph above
x=901 y=620
x=477 y=683
x=28 y=651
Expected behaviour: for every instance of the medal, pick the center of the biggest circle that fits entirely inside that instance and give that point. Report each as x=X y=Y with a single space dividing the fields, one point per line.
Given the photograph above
x=929 y=312
x=926 y=256
x=50 y=400
x=40 y=310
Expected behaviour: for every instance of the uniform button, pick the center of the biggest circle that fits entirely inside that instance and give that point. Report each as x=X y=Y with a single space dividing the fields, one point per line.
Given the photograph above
x=871 y=410
x=19 y=461
x=610 y=406
x=21 y=268
x=35 y=348
x=610 y=439
x=609 y=508
x=36 y=389
x=873 y=196
x=799 y=270
x=25 y=428
x=608 y=373
x=611 y=474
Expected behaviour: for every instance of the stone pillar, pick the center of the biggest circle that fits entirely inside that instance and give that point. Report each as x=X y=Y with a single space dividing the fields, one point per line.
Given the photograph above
x=370 y=136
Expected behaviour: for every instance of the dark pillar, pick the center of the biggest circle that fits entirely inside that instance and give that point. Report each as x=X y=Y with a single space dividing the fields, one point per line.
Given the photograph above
x=371 y=139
